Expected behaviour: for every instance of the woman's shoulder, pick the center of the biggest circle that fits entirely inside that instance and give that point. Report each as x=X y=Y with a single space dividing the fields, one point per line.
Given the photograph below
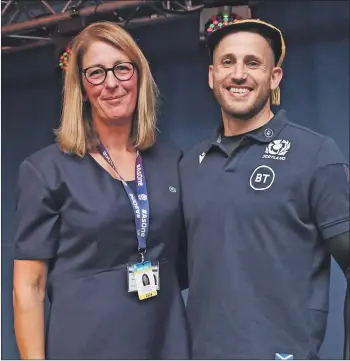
x=165 y=148
x=49 y=156
x=50 y=164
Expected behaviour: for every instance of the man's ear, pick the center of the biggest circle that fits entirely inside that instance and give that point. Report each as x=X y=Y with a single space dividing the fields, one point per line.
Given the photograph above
x=276 y=77
x=210 y=76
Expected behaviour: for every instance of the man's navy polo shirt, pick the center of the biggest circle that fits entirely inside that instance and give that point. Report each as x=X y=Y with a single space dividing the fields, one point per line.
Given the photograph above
x=256 y=223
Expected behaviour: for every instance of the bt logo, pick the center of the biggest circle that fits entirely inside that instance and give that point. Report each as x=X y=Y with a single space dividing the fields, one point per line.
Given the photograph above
x=262 y=178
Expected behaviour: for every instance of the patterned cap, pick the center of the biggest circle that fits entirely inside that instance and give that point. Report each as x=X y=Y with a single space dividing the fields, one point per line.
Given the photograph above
x=220 y=25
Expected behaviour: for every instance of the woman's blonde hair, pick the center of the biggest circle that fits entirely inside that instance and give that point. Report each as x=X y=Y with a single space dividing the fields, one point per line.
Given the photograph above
x=76 y=132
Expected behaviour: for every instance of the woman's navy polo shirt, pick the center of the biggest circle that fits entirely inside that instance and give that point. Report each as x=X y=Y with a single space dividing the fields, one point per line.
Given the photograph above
x=73 y=213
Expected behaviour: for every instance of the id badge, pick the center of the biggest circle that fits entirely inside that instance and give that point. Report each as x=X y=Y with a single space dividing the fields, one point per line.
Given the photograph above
x=146 y=287
x=131 y=276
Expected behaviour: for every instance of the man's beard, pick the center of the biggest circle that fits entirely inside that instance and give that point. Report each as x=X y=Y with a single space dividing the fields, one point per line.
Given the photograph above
x=249 y=112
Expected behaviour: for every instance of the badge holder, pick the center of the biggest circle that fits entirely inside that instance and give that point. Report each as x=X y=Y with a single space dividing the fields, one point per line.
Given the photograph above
x=144 y=278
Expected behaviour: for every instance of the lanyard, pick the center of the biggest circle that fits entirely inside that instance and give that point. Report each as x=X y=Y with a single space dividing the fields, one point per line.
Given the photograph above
x=140 y=204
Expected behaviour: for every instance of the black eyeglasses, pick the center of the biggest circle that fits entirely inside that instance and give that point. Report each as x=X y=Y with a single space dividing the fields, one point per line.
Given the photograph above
x=97 y=74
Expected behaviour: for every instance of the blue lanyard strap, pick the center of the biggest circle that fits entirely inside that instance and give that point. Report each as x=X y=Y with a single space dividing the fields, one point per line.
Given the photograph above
x=140 y=205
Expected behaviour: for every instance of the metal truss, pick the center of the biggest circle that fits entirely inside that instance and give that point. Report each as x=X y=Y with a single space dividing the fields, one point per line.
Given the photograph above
x=33 y=23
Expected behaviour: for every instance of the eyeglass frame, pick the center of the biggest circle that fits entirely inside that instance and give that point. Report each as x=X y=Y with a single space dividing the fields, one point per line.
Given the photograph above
x=106 y=70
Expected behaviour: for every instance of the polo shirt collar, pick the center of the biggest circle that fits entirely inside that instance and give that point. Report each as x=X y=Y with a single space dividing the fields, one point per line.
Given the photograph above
x=266 y=134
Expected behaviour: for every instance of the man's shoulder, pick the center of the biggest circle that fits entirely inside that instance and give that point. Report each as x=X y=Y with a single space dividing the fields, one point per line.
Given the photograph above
x=305 y=131
x=192 y=155
x=305 y=139
x=322 y=148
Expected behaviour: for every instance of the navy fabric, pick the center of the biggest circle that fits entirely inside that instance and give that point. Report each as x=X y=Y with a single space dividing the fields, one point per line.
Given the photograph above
x=256 y=221
x=230 y=143
x=71 y=212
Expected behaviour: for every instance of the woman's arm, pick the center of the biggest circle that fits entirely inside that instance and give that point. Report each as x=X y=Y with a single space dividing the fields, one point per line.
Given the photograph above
x=29 y=285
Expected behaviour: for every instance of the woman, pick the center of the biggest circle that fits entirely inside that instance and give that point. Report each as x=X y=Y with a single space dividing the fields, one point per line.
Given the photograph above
x=145 y=280
x=82 y=217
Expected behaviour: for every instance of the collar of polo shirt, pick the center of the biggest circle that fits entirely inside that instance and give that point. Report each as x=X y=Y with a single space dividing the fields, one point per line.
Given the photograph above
x=266 y=134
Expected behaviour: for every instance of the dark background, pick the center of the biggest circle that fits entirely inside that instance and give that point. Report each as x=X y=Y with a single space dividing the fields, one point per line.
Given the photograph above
x=315 y=93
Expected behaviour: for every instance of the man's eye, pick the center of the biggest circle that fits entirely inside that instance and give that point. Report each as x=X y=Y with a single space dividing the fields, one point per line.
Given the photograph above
x=227 y=62
x=253 y=64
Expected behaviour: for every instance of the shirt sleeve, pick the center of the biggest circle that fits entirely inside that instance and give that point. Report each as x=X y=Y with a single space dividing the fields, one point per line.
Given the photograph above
x=37 y=218
x=329 y=195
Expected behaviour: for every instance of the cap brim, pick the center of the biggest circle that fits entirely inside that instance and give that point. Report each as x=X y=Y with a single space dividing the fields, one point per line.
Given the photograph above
x=264 y=29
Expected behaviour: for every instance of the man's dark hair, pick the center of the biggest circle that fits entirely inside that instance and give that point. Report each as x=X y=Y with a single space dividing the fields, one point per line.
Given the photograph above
x=255 y=31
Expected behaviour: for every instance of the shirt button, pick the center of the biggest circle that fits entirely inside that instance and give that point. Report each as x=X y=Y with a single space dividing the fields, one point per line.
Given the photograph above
x=268 y=133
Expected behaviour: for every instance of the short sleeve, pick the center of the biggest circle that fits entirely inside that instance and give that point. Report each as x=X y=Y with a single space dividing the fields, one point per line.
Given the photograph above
x=37 y=220
x=329 y=196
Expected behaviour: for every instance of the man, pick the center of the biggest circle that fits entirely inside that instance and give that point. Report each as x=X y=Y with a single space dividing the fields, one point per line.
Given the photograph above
x=266 y=201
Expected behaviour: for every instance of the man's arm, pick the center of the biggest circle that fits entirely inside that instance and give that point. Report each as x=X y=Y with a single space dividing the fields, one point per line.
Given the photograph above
x=339 y=248
x=329 y=201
